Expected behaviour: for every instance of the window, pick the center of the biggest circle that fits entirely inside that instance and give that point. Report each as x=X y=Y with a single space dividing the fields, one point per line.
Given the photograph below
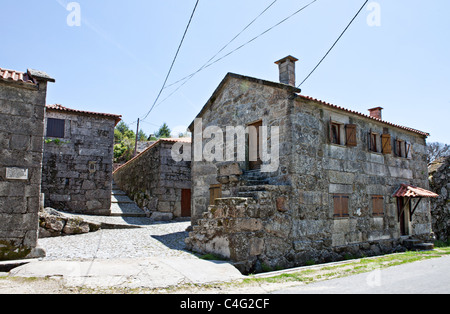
x=340 y=202
x=215 y=192
x=55 y=128
x=378 y=205
x=335 y=133
x=373 y=142
x=402 y=148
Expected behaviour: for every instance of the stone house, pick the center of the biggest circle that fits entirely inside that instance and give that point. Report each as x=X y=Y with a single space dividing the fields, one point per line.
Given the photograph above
x=345 y=183
x=78 y=159
x=156 y=182
x=22 y=107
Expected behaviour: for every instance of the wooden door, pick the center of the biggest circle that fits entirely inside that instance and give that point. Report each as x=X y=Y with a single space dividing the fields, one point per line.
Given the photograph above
x=186 y=203
x=401 y=215
x=255 y=146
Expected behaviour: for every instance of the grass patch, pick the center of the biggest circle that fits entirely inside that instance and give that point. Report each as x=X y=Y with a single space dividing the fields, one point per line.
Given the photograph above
x=352 y=267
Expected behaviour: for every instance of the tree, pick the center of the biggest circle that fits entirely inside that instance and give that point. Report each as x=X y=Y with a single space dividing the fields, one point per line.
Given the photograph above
x=124 y=143
x=163 y=132
x=437 y=150
x=142 y=136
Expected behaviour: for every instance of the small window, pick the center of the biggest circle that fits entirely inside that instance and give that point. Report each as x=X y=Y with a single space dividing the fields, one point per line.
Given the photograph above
x=215 y=192
x=402 y=149
x=341 y=202
x=378 y=205
x=55 y=128
x=374 y=142
x=335 y=133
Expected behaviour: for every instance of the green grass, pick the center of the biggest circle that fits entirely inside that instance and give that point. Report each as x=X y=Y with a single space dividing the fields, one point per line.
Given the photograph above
x=352 y=267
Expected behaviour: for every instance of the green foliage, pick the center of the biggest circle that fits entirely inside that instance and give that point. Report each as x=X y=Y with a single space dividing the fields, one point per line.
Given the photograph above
x=124 y=139
x=163 y=132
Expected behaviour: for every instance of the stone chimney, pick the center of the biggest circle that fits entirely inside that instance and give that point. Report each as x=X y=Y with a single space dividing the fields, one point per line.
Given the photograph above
x=287 y=70
x=376 y=112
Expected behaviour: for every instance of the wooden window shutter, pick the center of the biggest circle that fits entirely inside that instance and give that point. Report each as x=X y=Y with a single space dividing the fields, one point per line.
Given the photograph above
x=369 y=140
x=378 y=205
x=408 y=149
x=55 y=128
x=215 y=192
x=386 y=143
x=341 y=205
x=350 y=130
x=330 y=131
x=337 y=205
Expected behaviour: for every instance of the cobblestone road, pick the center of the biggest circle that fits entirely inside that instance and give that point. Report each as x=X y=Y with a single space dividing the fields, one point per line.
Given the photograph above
x=154 y=239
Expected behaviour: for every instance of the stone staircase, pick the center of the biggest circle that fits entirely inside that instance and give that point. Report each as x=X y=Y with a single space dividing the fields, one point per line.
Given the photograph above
x=417 y=245
x=253 y=182
x=123 y=206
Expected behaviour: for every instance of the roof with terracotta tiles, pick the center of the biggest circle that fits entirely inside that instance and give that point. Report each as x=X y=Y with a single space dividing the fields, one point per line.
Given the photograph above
x=297 y=92
x=414 y=192
x=364 y=115
x=61 y=108
x=16 y=76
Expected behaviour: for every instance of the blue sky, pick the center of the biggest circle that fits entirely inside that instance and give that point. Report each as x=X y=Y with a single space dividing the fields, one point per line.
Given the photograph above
x=116 y=61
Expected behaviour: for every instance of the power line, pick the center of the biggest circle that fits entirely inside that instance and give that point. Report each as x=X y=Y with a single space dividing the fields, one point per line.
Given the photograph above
x=236 y=49
x=174 y=59
x=328 y=52
x=223 y=48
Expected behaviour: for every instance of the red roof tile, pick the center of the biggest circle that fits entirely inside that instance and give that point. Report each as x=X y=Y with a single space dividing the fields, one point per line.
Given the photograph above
x=414 y=192
x=64 y=109
x=364 y=115
x=16 y=76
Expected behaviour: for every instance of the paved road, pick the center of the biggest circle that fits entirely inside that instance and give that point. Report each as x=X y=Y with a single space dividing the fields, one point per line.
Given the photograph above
x=424 y=277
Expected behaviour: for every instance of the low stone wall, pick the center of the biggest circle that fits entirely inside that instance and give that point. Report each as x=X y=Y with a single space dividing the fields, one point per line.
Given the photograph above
x=440 y=207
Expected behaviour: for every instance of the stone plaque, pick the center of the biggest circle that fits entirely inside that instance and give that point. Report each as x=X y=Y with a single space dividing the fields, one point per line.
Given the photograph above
x=16 y=174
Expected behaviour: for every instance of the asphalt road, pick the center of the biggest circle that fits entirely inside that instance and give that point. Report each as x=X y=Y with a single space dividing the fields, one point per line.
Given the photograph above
x=424 y=277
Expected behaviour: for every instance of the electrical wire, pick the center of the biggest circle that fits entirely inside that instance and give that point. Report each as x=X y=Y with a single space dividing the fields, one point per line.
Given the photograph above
x=236 y=49
x=339 y=38
x=174 y=59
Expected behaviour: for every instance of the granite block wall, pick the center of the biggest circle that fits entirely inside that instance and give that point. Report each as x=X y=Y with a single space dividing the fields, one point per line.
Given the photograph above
x=21 y=140
x=77 y=169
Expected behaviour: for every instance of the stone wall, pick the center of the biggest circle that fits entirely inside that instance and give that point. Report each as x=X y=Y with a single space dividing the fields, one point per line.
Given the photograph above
x=21 y=127
x=154 y=180
x=77 y=169
x=440 y=207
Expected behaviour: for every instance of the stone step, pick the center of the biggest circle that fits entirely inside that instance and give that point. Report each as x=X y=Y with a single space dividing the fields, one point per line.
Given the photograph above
x=121 y=199
x=424 y=246
x=118 y=192
x=126 y=210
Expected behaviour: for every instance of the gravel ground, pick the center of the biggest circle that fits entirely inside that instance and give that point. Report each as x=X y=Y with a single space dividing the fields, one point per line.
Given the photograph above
x=153 y=239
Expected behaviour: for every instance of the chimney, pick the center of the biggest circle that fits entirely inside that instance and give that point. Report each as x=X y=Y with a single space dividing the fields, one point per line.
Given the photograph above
x=287 y=70
x=376 y=112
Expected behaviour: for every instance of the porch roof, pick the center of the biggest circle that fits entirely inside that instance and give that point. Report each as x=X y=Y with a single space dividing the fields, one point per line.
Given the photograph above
x=414 y=192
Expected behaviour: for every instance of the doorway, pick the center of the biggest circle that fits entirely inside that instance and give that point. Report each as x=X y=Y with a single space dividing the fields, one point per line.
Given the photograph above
x=186 y=203
x=403 y=208
x=254 y=146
